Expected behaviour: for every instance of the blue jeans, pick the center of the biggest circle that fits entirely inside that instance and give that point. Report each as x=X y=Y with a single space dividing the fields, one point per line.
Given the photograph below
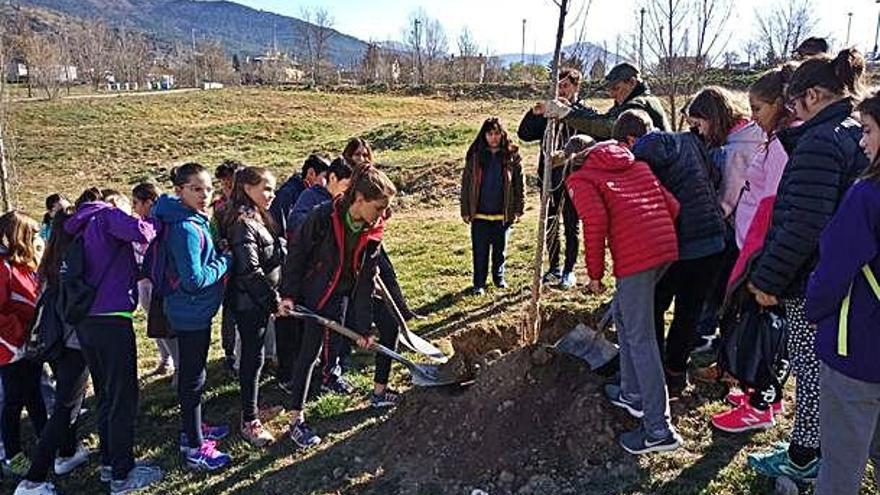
x=488 y=235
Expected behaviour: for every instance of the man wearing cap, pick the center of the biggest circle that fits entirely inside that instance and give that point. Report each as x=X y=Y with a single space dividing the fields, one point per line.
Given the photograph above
x=531 y=128
x=810 y=48
x=629 y=91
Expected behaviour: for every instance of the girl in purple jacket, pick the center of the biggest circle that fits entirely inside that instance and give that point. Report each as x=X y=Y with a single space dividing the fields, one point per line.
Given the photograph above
x=843 y=301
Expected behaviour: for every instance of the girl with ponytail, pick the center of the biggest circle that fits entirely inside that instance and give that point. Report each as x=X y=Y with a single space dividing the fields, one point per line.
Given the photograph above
x=824 y=160
x=329 y=269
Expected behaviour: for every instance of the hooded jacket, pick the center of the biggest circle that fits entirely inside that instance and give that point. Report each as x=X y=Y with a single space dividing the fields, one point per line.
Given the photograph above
x=681 y=163
x=824 y=160
x=315 y=262
x=18 y=298
x=108 y=233
x=735 y=155
x=619 y=199
x=200 y=268
x=307 y=201
x=512 y=180
x=285 y=198
x=587 y=120
x=761 y=181
x=257 y=255
x=841 y=297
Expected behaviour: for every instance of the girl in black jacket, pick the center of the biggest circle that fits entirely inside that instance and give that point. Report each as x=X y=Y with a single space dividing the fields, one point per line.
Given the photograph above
x=257 y=254
x=824 y=160
x=330 y=270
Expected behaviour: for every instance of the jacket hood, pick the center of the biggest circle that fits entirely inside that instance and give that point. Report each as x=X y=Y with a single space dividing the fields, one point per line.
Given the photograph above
x=610 y=156
x=657 y=147
x=77 y=223
x=749 y=133
x=295 y=181
x=169 y=209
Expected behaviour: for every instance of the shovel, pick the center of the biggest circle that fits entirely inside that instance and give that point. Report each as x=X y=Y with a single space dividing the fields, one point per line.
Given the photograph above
x=422 y=375
x=406 y=337
x=589 y=344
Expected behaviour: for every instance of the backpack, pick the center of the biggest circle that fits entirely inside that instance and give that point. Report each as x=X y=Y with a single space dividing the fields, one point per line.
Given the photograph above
x=49 y=331
x=75 y=296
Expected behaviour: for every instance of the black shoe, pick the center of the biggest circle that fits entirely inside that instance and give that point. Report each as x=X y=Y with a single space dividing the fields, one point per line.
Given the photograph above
x=478 y=291
x=501 y=283
x=676 y=382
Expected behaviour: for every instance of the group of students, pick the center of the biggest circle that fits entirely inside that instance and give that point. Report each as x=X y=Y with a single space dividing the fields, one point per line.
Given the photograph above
x=778 y=205
x=317 y=247
x=781 y=205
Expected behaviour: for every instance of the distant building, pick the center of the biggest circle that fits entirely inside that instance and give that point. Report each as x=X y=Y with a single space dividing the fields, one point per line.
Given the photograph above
x=17 y=72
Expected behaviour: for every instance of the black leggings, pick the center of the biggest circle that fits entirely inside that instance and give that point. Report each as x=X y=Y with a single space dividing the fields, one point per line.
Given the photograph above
x=252 y=332
x=21 y=390
x=193 y=348
x=71 y=378
x=388 y=332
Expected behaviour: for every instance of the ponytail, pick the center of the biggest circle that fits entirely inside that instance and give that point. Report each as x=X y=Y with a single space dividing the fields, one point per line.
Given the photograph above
x=180 y=175
x=772 y=84
x=841 y=75
x=371 y=183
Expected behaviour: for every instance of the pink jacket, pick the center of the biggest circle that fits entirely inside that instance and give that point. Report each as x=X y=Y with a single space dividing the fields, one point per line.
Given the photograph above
x=742 y=144
x=761 y=181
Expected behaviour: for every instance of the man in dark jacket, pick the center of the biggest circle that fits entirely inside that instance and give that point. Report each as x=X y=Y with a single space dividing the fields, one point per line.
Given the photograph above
x=629 y=92
x=532 y=128
x=313 y=169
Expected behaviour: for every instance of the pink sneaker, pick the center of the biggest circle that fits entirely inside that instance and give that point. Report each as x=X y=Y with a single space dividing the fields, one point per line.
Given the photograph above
x=738 y=398
x=743 y=418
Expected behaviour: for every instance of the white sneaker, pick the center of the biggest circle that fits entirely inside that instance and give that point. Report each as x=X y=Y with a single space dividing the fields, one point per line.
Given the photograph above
x=64 y=465
x=30 y=488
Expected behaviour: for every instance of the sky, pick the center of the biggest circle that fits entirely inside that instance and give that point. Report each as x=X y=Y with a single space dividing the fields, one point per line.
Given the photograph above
x=497 y=24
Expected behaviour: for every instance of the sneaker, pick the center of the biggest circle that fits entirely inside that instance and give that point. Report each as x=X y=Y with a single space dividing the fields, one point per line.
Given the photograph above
x=705 y=343
x=138 y=478
x=303 y=436
x=738 y=398
x=16 y=467
x=206 y=457
x=478 y=291
x=743 y=418
x=385 y=399
x=639 y=441
x=214 y=433
x=776 y=463
x=569 y=280
x=105 y=472
x=64 y=465
x=31 y=488
x=552 y=277
x=707 y=374
x=337 y=386
x=162 y=369
x=501 y=283
x=255 y=434
x=676 y=382
x=615 y=395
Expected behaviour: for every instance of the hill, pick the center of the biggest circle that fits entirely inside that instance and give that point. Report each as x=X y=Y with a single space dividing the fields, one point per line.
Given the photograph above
x=241 y=29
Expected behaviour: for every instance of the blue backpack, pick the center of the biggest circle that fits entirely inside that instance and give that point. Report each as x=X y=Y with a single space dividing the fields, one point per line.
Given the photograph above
x=158 y=265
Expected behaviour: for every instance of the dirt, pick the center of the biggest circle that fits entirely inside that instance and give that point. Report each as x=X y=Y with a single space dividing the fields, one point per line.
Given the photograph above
x=533 y=422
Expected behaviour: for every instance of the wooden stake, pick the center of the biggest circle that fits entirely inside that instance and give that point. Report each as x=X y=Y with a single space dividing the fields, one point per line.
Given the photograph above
x=532 y=331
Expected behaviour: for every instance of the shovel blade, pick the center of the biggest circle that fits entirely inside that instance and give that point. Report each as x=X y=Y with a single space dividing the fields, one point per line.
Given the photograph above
x=585 y=343
x=426 y=375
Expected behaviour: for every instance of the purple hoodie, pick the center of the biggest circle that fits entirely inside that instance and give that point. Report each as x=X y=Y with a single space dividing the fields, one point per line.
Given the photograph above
x=109 y=233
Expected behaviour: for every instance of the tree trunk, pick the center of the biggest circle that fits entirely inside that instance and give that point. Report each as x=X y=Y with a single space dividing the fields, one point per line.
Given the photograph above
x=532 y=331
x=5 y=189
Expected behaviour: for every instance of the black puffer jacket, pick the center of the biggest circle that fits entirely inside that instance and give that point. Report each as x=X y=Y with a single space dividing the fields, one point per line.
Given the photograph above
x=257 y=255
x=824 y=161
x=680 y=161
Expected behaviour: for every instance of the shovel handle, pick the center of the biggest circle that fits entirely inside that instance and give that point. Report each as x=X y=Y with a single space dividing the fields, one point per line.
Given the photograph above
x=305 y=313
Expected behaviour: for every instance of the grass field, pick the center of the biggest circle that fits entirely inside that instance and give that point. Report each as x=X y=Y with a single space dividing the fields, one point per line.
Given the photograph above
x=68 y=145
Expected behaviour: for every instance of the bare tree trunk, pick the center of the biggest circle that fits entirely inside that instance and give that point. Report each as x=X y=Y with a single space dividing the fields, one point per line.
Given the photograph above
x=531 y=332
x=5 y=187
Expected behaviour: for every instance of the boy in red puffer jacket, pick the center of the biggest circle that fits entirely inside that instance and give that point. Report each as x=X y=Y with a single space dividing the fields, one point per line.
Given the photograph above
x=619 y=199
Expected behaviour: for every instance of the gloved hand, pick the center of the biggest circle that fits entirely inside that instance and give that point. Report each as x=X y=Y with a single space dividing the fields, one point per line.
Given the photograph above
x=556 y=109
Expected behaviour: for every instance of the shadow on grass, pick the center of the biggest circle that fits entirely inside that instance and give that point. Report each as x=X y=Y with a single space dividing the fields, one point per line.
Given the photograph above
x=464 y=317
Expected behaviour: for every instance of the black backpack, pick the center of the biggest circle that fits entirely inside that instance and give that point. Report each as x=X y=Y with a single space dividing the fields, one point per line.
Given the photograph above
x=753 y=342
x=76 y=296
x=49 y=331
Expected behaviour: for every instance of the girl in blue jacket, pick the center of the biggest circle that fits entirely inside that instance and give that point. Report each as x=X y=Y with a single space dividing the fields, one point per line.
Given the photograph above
x=843 y=300
x=197 y=278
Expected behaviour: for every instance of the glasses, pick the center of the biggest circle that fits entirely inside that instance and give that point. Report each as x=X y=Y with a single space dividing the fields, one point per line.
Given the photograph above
x=792 y=101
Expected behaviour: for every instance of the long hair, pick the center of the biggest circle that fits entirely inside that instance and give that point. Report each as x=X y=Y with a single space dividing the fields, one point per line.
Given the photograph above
x=58 y=242
x=89 y=195
x=480 y=147
x=870 y=106
x=180 y=175
x=770 y=88
x=371 y=183
x=841 y=75
x=353 y=145
x=241 y=202
x=718 y=106
x=17 y=234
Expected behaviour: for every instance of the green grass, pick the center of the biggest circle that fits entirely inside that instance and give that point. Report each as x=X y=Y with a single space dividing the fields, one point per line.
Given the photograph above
x=70 y=144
